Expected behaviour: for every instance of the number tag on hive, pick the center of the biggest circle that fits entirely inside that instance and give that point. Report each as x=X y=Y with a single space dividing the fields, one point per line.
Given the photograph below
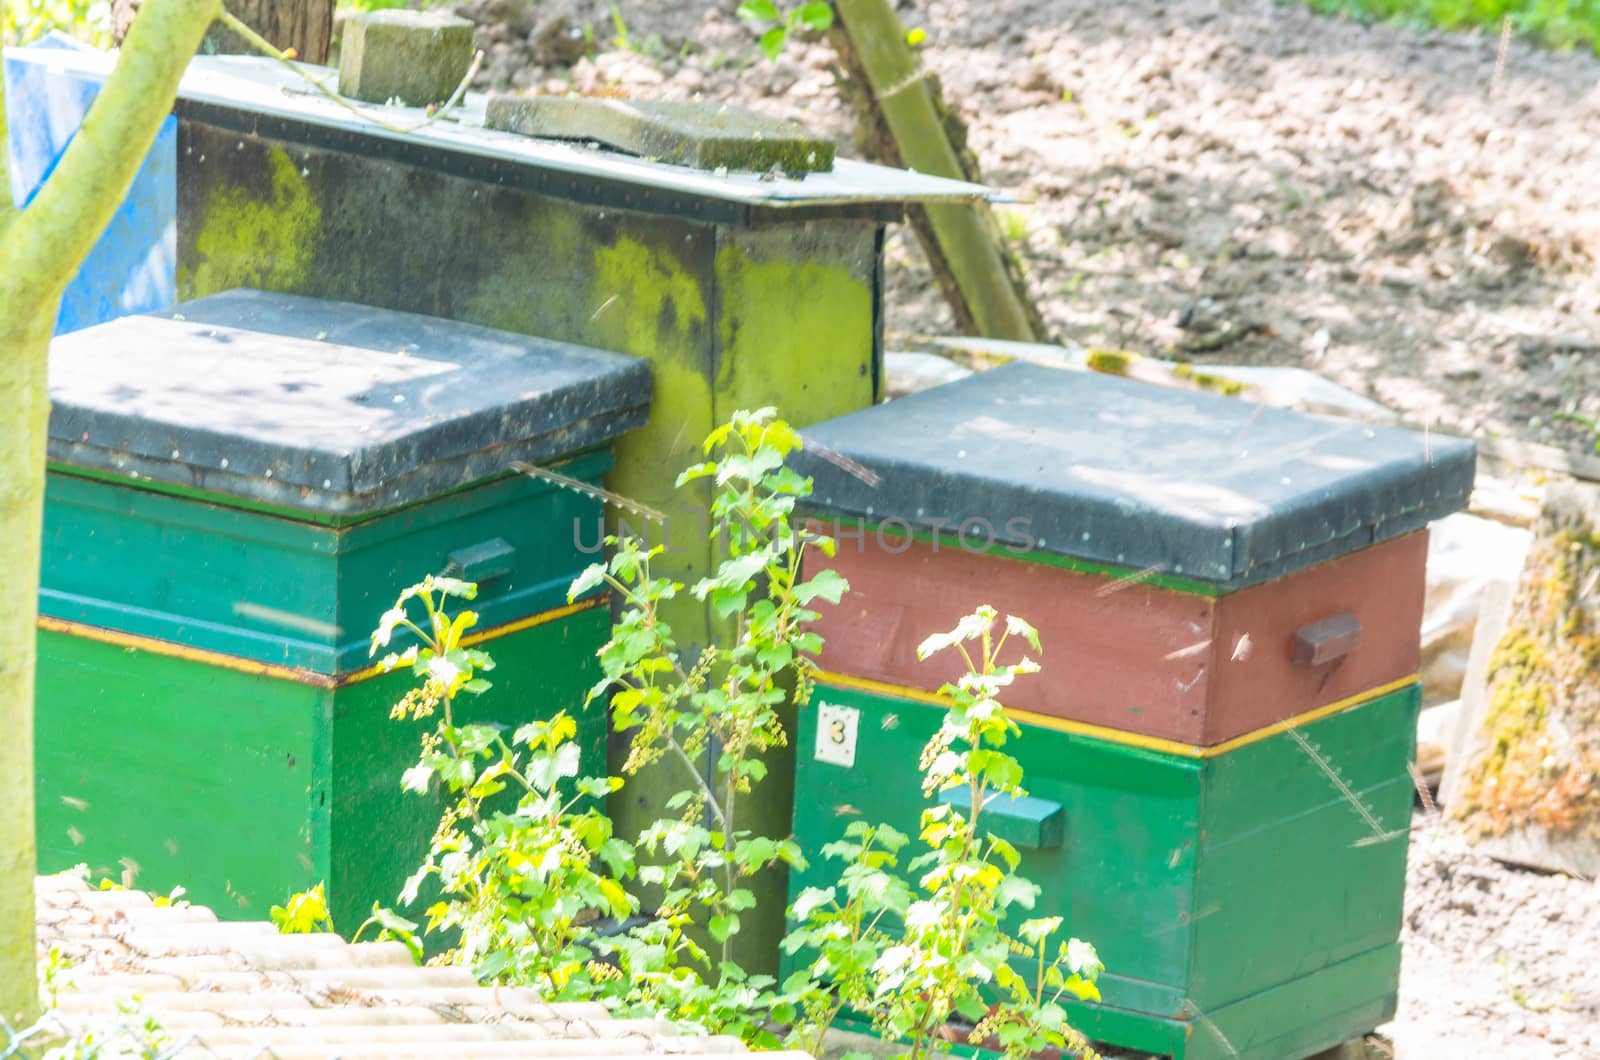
x=836 y=734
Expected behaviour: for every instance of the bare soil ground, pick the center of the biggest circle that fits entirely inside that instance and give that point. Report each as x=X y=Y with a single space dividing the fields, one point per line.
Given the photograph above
x=1373 y=202
x=1414 y=215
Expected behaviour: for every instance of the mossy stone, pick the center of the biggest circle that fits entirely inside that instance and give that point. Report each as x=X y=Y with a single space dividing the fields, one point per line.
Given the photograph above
x=703 y=135
x=416 y=57
x=1530 y=790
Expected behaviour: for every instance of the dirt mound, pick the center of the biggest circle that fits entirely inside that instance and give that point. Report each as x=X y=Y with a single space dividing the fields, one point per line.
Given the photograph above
x=1498 y=961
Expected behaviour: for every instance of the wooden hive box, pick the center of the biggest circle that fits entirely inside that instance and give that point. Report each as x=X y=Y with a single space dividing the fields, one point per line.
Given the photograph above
x=237 y=491
x=1229 y=599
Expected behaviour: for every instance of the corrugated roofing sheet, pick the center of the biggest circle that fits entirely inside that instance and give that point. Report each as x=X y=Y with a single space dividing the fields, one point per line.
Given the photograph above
x=226 y=990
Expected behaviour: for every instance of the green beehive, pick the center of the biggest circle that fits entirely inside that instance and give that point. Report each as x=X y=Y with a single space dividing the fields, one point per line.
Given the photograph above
x=1241 y=906
x=237 y=491
x=1217 y=751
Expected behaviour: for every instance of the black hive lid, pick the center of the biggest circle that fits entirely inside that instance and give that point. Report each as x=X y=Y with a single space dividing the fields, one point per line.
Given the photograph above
x=1114 y=471
x=326 y=406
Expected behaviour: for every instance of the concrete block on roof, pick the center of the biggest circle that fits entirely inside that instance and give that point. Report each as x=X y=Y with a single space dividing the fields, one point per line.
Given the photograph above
x=705 y=135
x=415 y=57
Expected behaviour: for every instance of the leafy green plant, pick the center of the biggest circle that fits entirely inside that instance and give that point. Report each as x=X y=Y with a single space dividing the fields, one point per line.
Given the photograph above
x=814 y=16
x=123 y=1031
x=529 y=874
x=725 y=703
x=523 y=862
x=530 y=878
x=305 y=913
x=1559 y=23
x=24 y=21
x=910 y=958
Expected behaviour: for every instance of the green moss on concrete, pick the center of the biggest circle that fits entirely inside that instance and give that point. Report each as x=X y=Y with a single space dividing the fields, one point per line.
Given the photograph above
x=537 y=285
x=1542 y=726
x=1207 y=381
x=796 y=332
x=642 y=293
x=245 y=241
x=705 y=135
x=1111 y=362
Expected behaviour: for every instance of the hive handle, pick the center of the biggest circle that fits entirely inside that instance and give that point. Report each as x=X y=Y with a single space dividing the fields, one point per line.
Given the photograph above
x=482 y=563
x=1021 y=820
x=1326 y=641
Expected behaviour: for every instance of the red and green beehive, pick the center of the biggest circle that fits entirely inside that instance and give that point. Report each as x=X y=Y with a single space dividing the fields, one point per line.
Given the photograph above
x=1217 y=750
x=237 y=490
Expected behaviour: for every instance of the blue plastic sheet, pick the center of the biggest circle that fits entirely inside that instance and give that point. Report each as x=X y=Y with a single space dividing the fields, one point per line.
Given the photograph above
x=132 y=269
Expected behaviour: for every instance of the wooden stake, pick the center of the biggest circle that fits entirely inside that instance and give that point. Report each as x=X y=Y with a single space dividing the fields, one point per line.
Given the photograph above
x=907 y=124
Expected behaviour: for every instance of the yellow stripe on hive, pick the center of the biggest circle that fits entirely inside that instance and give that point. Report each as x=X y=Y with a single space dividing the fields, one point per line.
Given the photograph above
x=222 y=660
x=1131 y=739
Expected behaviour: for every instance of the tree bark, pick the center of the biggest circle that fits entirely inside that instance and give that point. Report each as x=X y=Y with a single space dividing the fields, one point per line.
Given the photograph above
x=41 y=249
x=303 y=25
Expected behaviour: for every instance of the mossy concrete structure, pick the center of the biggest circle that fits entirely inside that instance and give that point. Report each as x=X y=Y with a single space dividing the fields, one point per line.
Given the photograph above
x=412 y=57
x=1529 y=788
x=238 y=490
x=741 y=291
x=705 y=135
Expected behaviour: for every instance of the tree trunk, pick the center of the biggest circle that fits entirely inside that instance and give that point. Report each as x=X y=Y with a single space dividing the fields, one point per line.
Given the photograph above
x=303 y=25
x=25 y=396
x=41 y=249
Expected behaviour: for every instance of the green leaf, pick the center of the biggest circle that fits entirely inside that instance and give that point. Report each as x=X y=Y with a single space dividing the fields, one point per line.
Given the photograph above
x=971 y=627
x=592 y=576
x=772 y=41
x=306 y=913
x=971 y=1006
x=1014 y=890
x=817 y=16
x=417 y=778
x=830 y=585
x=758 y=11
x=389 y=920
x=698 y=471
x=1083 y=958
x=1082 y=988
x=1036 y=931
x=811 y=899
x=452 y=586
x=1023 y=629
x=721 y=927
x=386 y=627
